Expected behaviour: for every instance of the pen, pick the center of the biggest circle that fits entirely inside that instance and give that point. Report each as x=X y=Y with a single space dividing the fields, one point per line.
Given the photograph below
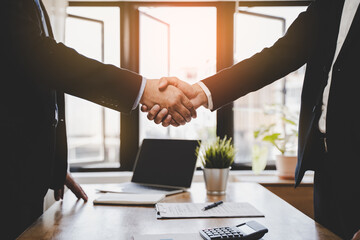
x=215 y=204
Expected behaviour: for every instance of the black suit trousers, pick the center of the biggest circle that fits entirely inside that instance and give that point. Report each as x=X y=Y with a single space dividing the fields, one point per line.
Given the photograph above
x=336 y=199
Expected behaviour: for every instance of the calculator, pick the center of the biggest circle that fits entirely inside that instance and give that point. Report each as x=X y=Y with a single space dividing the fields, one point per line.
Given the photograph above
x=251 y=230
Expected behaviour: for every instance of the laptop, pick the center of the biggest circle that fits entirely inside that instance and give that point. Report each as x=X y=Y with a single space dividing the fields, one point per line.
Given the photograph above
x=163 y=166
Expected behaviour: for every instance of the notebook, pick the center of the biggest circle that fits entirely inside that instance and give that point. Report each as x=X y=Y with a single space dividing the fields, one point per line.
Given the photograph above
x=128 y=199
x=164 y=166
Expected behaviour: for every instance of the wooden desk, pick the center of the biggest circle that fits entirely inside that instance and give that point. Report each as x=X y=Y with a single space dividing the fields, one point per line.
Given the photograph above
x=73 y=219
x=301 y=197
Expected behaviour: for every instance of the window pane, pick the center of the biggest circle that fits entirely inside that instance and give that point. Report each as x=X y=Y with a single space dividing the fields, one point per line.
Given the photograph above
x=253 y=32
x=93 y=131
x=181 y=42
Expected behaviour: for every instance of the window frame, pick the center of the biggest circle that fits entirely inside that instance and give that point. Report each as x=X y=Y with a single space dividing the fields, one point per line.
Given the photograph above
x=129 y=54
x=102 y=110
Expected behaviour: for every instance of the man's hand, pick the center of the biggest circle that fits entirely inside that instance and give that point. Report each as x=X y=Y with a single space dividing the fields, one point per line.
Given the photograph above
x=173 y=99
x=73 y=186
x=193 y=92
x=356 y=236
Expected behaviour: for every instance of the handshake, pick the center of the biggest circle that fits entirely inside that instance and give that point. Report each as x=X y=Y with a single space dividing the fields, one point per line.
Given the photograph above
x=171 y=101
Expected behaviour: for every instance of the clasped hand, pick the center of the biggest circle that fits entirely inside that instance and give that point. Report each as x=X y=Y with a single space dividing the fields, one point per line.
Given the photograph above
x=171 y=101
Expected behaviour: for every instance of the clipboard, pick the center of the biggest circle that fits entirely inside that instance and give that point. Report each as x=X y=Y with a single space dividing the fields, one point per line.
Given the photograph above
x=194 y=210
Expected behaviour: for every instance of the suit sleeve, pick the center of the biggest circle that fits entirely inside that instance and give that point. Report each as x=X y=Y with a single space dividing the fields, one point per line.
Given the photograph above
x=286 y=55
x=55 y=66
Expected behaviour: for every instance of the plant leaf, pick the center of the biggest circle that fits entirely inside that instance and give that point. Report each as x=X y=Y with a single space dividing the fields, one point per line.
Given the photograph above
x=291 y=122
x=271 y=138
x=219 y=154
x=259 y=158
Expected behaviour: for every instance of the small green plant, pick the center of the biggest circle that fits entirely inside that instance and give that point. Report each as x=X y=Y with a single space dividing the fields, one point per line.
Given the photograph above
x=218 y=154
x=282 y=135
x=284 y=140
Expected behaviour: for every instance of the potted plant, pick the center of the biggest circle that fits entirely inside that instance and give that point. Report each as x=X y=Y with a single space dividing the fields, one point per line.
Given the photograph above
x=283 y=138
x=216 y=158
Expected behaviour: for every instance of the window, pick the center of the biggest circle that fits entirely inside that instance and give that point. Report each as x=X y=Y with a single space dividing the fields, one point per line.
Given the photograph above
x=93 y=131
x=255 y=29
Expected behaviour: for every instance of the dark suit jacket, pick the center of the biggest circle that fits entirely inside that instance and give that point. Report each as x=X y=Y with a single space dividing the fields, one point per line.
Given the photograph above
x=310 y=40
x=36 y=73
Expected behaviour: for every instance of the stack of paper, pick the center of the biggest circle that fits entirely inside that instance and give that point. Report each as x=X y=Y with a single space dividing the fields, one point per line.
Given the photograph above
x=129 y=199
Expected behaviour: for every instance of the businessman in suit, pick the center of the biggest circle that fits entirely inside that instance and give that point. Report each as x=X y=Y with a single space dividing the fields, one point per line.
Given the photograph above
x=36 y=72
x=326 y=37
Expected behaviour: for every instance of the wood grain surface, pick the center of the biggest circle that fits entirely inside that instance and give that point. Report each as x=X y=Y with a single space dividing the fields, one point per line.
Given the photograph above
x=74 y=219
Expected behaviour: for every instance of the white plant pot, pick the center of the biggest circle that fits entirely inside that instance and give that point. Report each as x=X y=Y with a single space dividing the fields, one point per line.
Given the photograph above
x=285 y=166
x=216 y=180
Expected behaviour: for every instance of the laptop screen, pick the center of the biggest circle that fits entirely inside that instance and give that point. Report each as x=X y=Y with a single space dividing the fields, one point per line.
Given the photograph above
x=166 y=162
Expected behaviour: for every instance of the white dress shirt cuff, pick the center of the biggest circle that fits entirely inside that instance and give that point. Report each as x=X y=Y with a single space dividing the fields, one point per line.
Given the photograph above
x=208 y=95
x=141 y=92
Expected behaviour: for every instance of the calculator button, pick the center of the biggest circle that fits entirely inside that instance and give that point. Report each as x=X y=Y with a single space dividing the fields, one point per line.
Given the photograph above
x=215 y=237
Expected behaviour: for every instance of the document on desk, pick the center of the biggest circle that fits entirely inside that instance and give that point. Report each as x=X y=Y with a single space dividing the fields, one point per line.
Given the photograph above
x=194 y=210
